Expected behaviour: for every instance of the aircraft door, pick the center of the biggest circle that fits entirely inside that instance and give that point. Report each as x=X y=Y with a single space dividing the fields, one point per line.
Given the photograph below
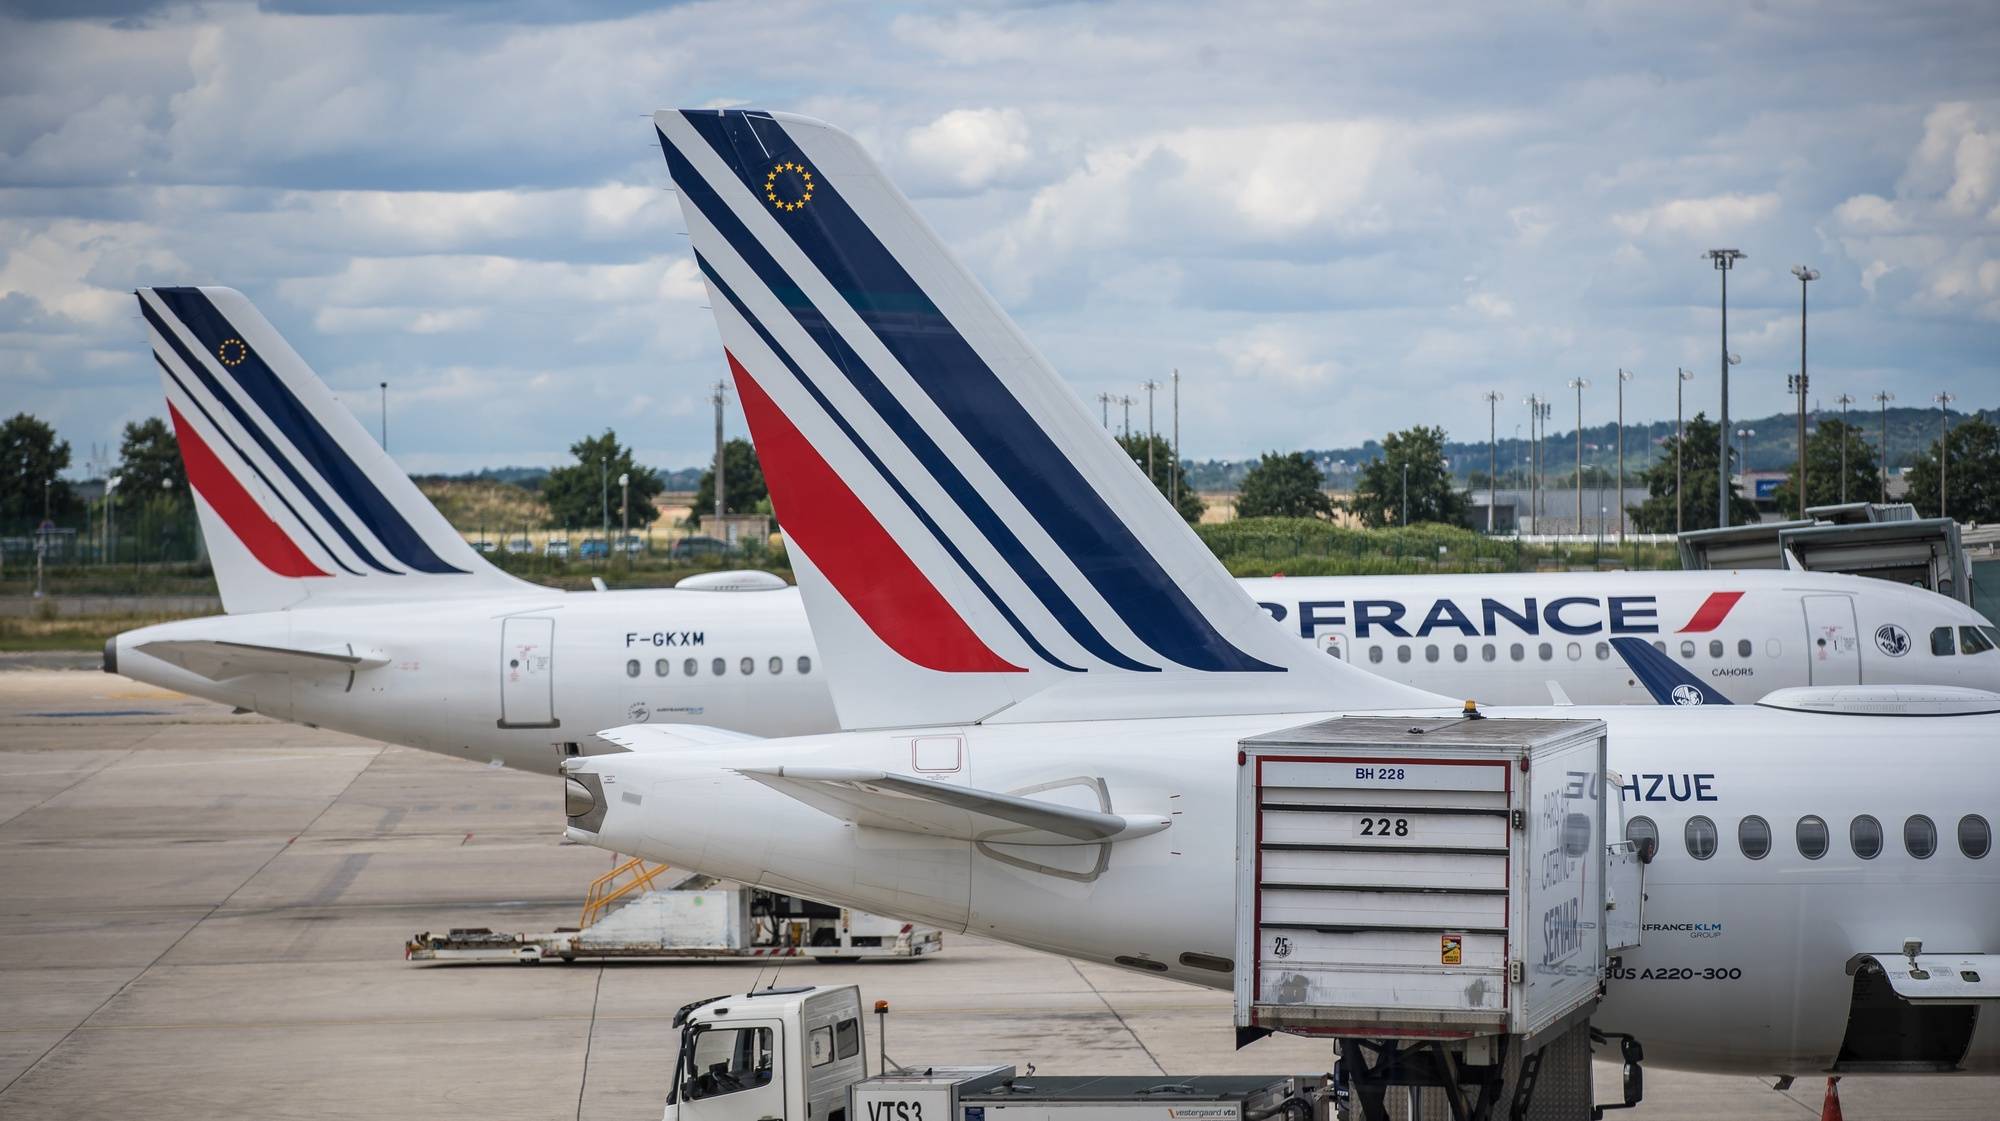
x=1833 y=652
x=527 y=673
x=1333 y=643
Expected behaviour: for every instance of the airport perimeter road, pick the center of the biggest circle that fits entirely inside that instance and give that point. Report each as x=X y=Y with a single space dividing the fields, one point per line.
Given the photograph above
x=203 y=916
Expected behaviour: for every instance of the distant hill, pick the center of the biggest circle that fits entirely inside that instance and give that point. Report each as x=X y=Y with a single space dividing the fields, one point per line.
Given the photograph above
x=1774 y=447
x=472 y=502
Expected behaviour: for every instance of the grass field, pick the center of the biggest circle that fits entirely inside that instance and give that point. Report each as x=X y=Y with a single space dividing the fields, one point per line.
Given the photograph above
x=85 y=633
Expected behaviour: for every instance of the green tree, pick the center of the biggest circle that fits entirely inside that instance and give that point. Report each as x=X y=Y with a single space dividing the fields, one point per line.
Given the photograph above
x=149 y=462
x=1165 y=472
x=1283 y=486
x=579 y=494
x=1698 y=467
x=745 y=493
x=1433 y=494
x=31 y=460
x=1823 y=451
x=1971 y=474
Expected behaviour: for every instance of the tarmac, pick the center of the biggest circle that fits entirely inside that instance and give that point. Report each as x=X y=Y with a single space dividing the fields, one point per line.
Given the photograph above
x=203 y=915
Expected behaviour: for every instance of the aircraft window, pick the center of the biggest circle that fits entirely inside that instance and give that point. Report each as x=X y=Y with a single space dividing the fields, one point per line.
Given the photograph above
x=805 y=664
x=690 y=667
x=1700 y=837
x=748 y=666
x=1546 y=651
x=1644 y=833
x=1715 y=648
x=1375 y=654
x=777 y=665
x=1972 y=642
x=1864 y=836
x=1575 y=651
x=1992 y=634
x=1812 y=837
x=1687 y=649
x=632 y=667
x=1941 y=642
x=1517 y=652
x=1458 y=652
x=662 y=668
x=1974 y=838
x=1919 y=836
x=1753 y=836
x=1744 y=648
x=1660 y=646
x=1488 y=653
x=1603 y=651
x=718 y=667
x=1430 y=652
x=1402 y=653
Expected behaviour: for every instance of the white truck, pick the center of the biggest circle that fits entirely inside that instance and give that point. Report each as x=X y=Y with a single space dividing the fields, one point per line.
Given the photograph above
x=1439 y=899
x=801 y=1053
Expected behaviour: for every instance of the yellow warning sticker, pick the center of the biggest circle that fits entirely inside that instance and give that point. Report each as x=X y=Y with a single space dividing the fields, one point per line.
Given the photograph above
x=1450 y=949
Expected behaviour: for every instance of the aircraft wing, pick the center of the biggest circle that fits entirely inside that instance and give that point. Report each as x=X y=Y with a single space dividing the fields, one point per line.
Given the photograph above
x=220 y=661
x=1665 y=679
x=916 y=805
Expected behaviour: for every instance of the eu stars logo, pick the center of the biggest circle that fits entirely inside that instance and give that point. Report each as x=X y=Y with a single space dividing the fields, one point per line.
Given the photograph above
x=232 y=352
x=788 y=187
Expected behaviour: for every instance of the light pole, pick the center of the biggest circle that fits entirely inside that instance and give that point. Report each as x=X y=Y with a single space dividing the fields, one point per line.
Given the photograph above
x=1492 y=453
x=1128 y=401
x=1944 y=401
x=1843 y=401
x=1882 y=398
x=1724 y=260
x=1104 y=409
x=1534 y=479
x=720 y=395
x=625 y=514
x=1806 y=276
x=1579 y=384
x=1623 y=377
x=1681 y=378
x=1149 y=385
x=604 y=503
x=1743 y=436
x=385 y=416
x=1405 y=505
x=1174 y=476
x=110 y=495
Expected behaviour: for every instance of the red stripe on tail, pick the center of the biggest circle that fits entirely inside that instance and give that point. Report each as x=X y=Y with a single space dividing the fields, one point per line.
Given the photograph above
x=272 y=547
x=876 y=578
x=1712 y=612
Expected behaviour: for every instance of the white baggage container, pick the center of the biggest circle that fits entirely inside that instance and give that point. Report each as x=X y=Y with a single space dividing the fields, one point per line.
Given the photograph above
x=1421 y=878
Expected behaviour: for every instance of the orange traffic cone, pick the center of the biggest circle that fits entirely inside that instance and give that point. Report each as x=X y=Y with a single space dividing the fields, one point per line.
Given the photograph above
x=1829 y=1110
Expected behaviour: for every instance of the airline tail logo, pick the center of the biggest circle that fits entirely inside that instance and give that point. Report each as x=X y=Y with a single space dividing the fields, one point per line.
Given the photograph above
x=844 y=319
x=1712 y=612
x=261 y=455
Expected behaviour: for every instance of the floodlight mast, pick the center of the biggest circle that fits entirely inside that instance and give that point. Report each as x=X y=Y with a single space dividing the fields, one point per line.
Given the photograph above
x=1806 y=276
x=1724 y=260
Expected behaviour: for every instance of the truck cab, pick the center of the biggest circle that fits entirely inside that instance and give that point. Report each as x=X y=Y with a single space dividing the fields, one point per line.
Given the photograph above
x=769 y=1054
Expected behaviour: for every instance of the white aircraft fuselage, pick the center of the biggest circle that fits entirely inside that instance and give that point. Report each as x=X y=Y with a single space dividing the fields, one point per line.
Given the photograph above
x=1743 y=964
x=454 y=677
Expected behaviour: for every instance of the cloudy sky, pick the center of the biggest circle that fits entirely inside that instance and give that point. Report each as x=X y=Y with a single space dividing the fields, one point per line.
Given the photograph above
x=1334 y=220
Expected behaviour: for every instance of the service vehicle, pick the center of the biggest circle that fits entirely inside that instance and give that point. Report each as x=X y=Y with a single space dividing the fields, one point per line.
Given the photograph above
x=801 y=1052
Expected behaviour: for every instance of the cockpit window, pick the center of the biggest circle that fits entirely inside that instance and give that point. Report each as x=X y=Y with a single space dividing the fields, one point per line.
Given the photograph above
x=1992 y=634
x=1941 y=642
x=1972 y=641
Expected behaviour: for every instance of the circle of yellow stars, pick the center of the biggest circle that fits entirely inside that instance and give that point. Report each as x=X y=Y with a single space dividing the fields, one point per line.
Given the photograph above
x=771 y=187
x=232 y=352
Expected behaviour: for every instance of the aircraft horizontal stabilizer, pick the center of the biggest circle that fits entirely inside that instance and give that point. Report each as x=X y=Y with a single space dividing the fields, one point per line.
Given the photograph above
x=1667 y=681
x=915 y=805
x=221 y=661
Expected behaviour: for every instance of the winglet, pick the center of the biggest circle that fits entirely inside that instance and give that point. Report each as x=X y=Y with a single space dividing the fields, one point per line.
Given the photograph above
x=1669 y=683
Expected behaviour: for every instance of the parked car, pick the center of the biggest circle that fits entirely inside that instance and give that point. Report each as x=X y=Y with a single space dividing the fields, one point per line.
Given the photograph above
x=486 y=546
x=631 y=544
x=593 y=548
x=557 y=547
x=520 y=545
x=699 y=548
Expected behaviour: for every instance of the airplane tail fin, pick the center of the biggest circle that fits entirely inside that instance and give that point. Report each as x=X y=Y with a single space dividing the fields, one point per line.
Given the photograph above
x=1669 y=682
x=967 y=537
x=297 y=502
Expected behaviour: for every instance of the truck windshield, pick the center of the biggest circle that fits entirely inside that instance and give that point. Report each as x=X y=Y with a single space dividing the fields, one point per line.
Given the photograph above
x=718 y=1061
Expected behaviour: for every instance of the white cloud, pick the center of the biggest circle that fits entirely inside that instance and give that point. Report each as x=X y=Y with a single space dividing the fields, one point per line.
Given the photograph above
x=1700 y=219
x=968 y=149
